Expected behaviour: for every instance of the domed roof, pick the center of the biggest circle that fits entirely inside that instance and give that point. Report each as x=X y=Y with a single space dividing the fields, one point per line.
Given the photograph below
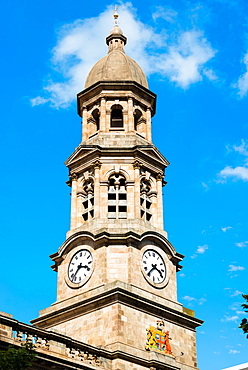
x=116 y=66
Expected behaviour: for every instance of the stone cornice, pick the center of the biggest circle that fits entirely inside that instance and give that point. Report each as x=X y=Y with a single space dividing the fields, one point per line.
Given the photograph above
x=112 y=295
x=85 y=156
x=103 y=237
x=106 y=87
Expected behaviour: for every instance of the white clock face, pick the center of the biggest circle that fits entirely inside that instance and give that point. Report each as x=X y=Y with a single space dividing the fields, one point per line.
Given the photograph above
x=153 y=266
x=80 y=266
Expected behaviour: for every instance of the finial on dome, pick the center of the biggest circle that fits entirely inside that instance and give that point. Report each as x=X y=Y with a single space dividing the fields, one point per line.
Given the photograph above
x=116 y=39
x=116 y=16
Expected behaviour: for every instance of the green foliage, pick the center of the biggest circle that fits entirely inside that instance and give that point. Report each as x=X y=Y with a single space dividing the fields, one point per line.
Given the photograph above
x=17 y=358
x=244 y=323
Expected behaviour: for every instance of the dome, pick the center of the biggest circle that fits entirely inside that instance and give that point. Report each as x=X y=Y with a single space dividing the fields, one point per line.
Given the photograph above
x=116 y=66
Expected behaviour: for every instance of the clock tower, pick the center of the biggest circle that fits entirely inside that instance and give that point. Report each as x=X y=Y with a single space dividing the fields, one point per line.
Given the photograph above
x=116 y=287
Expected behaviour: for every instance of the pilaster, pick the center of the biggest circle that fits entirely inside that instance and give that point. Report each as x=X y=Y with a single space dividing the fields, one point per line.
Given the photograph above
x=74 y=178
x=159 y=179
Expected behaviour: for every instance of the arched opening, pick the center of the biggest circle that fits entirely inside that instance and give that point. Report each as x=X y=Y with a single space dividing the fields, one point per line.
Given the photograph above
x=137 y=116
x=145 y=200
x=116 y=116
x=117 y=197
x=96 y=116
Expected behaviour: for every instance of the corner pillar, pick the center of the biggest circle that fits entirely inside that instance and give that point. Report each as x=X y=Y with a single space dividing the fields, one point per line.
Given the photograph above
x=160 y=219
x=149 y=124
x=74 y=178
x=84 y=125
x=97 y=200
x=103 y=115
x=130 y=115
x=136 y=166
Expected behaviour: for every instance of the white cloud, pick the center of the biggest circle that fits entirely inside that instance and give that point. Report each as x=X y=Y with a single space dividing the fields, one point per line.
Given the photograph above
x=182 y=274
x=184 y=61
x=239 y=172
x=242 y=148
x=210 y=74
x=224 y=229
x=206 y=187
x=81 y=44
x=200 y=250
x=237 y=292
x=200 y=301
x=235 y=268
x=242 y=83
x=188 y=298
x=38 y=101
x=233 y=351
x=242 y=244
x=230 y=318
x=167 y=14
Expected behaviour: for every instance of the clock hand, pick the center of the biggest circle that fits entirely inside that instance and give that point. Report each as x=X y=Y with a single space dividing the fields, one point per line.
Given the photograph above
x=154 y=267
x=78 y=268
x=86 y=267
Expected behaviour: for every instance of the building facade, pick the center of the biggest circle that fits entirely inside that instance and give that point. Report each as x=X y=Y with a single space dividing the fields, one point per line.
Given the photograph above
x=116 y=304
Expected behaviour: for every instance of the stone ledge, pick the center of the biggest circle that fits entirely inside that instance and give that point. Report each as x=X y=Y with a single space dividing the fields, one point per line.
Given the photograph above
x=115 y=294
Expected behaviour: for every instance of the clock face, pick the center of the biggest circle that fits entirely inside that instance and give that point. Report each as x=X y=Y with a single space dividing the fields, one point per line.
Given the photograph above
x=153 y=266
x=80 y=266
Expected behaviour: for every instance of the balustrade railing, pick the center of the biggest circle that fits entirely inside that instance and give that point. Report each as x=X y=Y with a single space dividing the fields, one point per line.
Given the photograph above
x=16 y=333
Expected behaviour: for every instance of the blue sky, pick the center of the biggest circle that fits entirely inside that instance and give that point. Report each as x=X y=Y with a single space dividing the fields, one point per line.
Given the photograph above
x=195 y=55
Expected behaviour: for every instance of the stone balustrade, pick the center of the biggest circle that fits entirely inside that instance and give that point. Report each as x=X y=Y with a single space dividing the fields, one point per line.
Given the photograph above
x=52 y=345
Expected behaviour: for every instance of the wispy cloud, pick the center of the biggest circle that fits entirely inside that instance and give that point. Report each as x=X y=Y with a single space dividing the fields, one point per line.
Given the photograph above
x=233 y=351
x=242 y=83
x=167 y=14
x=224 y=229
x=242 y=244
x=81 y=44
x=235 y=268
x=230 y=318
x=236 y=172
x=235 y=293
x=205 y=186
x=200 y=301
x=201 y=249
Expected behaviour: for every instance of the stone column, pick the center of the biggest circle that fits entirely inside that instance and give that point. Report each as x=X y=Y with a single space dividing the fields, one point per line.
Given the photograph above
x=74 y=178
x=104 y=199
x=97 y=199
x=154 y=207
x=103 y=115
x=84 y=125
x=130 y=115
x=136 y=166
x=160 y=219
x=148 y=125
x=79 y=209
x=130 y=200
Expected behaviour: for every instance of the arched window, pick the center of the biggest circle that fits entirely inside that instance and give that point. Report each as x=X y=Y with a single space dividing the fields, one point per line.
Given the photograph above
x=116 y=116
x=137 y=116
x=145 y=201
x=88 y=199
x=96 y=116
x=117 y=197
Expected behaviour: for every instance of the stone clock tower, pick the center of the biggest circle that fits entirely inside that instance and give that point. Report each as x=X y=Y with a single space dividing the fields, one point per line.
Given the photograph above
x=117 y=268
